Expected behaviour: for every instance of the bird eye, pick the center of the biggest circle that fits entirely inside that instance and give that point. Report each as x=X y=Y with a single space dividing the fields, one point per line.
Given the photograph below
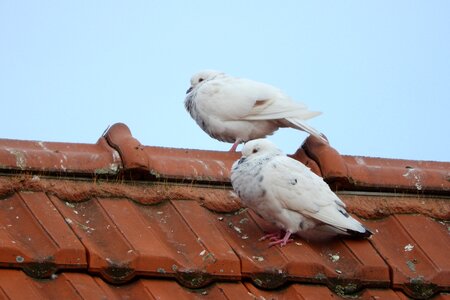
x=200 y=79
x=255 y=150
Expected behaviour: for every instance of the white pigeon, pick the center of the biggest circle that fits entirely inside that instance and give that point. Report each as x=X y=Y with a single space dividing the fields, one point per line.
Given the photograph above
x=288 y=194
x=237 y=110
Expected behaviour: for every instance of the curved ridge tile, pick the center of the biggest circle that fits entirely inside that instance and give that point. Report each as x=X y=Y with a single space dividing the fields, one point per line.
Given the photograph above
x=119 y=137
x=302 y=157
x=92 y=159
x=169 y=163
x=190 y=165
x=379 y=174
x=331 y=163
x=398 y=174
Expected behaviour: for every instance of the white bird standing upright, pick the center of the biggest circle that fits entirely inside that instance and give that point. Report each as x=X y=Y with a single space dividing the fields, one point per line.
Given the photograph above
x=237 y=110
x=288 y=194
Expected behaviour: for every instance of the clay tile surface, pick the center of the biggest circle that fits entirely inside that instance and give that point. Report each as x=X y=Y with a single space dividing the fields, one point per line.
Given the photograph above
x=94 y=159
x=170 y=163
x=378 y=174
x=163 y=223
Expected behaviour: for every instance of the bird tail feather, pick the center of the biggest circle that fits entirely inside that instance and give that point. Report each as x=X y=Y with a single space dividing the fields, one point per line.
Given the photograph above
x=367 y=233
x=364 y=233
x=294 y=123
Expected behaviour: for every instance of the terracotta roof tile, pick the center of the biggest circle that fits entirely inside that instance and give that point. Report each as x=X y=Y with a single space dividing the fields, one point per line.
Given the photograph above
x=164 y=223
x=196 y=246
x=408 y=243
x=398 y=174
x=181 y=247
x=66 y=158
x=17 y=285
x=168 y=163
x=378 y=174
x=34 y=237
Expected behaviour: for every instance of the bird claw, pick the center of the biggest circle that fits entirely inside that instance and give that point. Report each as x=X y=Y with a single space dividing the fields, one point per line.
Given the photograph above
x=275 y=239
x=281 y=242
x=270 y=236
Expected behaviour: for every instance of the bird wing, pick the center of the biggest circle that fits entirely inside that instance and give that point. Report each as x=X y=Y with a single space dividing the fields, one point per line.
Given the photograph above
x=245 y=99
x=298 y=189
x=269 y=103
x=228 y=98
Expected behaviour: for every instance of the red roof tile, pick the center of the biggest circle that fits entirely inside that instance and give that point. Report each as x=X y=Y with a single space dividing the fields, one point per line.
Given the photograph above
x=378 y=174
x=34 y=237
x=161 y=221
x=412 y=246
x=174 y=164
x=16 y=285
x=66 y=158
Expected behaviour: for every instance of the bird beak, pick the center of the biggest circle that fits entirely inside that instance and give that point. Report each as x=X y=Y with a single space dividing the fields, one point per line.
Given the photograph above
x=241 y=160
x=189 y=90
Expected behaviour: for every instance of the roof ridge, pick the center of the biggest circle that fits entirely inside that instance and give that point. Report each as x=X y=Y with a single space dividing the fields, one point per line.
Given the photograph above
x=117 y=154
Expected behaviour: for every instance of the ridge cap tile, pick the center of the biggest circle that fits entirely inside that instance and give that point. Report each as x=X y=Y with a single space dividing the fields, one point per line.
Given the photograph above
x=130 y=149
x=331 y=163
x=169 y=163
x=117 y=151
x=374 y=173
x=398 y=174
x=55 y=157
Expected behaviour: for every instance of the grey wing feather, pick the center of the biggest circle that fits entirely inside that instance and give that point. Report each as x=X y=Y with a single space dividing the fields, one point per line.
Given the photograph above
x=299 y=189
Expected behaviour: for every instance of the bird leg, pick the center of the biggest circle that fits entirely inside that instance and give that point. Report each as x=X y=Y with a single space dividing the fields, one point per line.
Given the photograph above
x=282 y=242
x=236 y=143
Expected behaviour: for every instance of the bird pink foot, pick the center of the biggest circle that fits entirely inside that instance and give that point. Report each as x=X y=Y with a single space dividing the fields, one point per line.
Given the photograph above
x=275 y=238
x=270 y=236
x=282 y=242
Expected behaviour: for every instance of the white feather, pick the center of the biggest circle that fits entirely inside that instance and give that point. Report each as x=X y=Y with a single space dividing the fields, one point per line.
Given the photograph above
x=234 y=109
x=287 y=193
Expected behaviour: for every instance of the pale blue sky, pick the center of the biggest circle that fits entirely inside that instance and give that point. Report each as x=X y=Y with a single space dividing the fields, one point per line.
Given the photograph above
x=378 y=70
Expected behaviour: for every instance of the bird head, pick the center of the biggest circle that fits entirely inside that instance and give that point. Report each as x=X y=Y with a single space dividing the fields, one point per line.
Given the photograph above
x=201 y=77
x=259 y=147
